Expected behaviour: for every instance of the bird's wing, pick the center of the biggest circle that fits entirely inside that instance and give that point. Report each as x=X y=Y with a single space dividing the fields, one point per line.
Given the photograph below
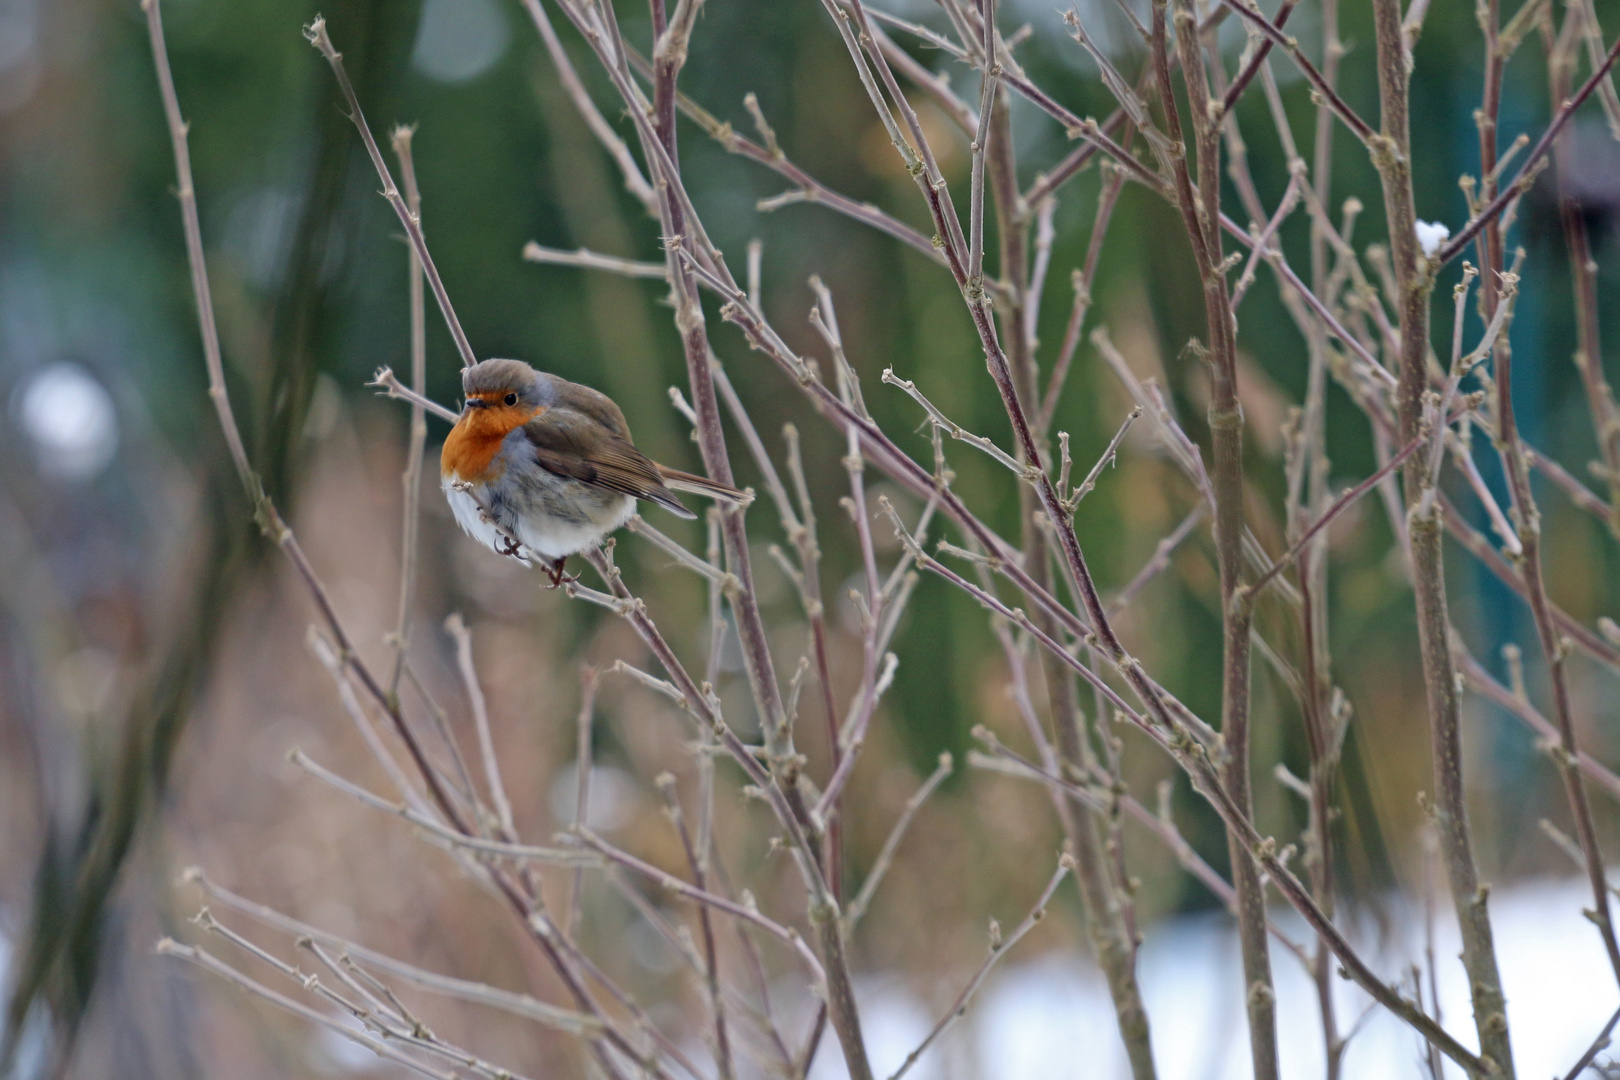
x=592 y=403
x=601 y=458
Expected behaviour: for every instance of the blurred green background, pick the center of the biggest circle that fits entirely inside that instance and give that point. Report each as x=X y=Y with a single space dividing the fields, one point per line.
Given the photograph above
x=148 y=642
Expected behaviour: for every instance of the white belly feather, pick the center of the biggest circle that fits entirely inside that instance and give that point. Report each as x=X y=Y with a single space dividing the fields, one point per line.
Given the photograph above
x=547 y=534
x=469 y=516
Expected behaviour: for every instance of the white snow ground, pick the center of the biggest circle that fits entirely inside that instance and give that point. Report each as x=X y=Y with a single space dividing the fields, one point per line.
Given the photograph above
x=1051 y=1017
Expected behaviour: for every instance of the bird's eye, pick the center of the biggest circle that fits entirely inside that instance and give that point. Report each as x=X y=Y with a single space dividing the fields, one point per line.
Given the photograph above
x=510 y=399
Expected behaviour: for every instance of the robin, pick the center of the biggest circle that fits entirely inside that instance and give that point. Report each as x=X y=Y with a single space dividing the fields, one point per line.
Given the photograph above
x=552 y=463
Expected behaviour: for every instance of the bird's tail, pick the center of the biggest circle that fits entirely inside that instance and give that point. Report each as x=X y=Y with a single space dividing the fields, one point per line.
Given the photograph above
x=702 y=485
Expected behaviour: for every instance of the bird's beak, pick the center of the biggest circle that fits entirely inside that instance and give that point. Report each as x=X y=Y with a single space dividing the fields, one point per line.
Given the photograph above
x=475 y=403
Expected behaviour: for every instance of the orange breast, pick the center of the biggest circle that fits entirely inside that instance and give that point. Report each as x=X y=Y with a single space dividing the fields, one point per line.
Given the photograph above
x=469 y=451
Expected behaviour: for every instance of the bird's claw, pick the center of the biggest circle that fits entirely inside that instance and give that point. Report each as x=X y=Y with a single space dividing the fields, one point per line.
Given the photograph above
x=508 y=546
x=559 y=577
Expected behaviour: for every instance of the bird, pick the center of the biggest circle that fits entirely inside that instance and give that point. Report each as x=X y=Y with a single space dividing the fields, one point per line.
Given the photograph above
x=549 y=464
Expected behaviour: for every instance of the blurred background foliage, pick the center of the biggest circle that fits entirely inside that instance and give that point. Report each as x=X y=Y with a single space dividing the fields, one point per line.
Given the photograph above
x=152 y=663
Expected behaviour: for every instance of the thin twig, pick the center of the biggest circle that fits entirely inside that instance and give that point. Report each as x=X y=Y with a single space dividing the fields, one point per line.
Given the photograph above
x=711 y=964
x=1599 y=1042
x=316 y=33
x=1256 y=18
x=1160 y=560
x=1083 y=281
x=874 y=877
x=412 y=480
x=746 y=912
x=1108 y=457
x=954 y=430
x=590 y=260
x=212 y=964
x=1531 y=165
x=500 y=848
x=999 y=947
x=457 y=630
x=588 y=683
x=1337 y=507
x=389 y=383
x=634 y=181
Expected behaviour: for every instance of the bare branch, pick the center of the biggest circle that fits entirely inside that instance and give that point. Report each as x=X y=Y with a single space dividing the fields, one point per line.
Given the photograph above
x=998 y=948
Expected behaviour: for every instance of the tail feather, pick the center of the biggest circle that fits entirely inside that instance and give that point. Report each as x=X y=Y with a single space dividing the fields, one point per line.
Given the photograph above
x=702 y=485
x=666 y=498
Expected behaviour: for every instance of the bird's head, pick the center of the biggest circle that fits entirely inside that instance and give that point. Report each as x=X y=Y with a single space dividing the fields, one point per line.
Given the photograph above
x=504 y=390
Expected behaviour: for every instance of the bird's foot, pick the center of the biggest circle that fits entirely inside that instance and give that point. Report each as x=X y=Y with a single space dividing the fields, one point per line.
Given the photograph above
x=558 y=576
x=505 y=545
